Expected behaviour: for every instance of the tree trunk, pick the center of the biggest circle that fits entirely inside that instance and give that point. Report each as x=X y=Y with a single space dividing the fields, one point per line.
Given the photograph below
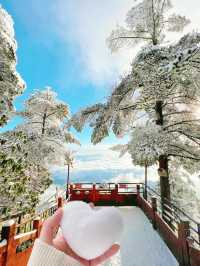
x=44 y=122
x=67 y=188
x=145 y=181
x=164 y=180
x=163 y=163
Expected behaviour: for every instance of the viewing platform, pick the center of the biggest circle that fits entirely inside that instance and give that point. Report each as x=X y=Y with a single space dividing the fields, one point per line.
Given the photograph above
x=156 y=234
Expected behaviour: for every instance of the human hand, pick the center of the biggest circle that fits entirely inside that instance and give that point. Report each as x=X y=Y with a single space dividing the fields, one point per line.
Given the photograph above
x=50 y=236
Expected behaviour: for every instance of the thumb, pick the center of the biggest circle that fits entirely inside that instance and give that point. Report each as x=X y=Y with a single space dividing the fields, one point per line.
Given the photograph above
x=50 y=226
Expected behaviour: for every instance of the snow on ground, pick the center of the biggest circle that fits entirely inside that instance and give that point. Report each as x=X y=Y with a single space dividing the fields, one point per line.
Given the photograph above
x=141 y=245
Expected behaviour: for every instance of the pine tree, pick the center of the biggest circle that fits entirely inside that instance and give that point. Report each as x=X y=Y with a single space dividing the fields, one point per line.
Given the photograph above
x=162 y=88
x=20 y=181
x=11 y=84
x=45 y=119
x=28 y=151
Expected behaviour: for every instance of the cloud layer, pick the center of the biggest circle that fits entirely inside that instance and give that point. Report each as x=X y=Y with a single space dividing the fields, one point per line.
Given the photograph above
x=100 y=164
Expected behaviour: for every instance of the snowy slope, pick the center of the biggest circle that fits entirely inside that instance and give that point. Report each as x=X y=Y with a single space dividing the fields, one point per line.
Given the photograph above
x=141 y=245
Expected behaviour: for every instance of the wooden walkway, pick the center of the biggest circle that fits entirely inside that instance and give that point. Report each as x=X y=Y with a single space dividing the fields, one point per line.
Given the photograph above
x=141 y=245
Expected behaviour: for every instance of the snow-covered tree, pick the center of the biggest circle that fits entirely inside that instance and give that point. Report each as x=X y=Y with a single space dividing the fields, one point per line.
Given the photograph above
x=167 y=79
x=183 y=191
x=45 y=119
x=144 y=147
x=11 y=84
x=20 y=182
x=110 y=115
x=163 y=88
x=147 y=21
x=31 y=148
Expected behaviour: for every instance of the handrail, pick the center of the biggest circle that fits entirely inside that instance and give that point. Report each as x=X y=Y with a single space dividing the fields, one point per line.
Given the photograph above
x=174 y=215
x=174 y=206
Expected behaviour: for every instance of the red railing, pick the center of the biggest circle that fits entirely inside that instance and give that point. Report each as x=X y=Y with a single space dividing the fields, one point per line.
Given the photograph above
x=122 y=194
x=177 y=232
x=18 y=238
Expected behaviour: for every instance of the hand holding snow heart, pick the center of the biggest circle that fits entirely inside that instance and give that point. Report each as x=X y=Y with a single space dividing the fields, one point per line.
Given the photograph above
x=90 y=232
x=48 y=236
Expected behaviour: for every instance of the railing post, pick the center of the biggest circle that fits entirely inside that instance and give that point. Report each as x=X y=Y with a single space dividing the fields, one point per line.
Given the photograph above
x=37 y=225
x=154 y=208
x=138 y=195
x=183 y=234
x=19 y=222
x=116 y=194
x=198 y=229
x=145 y=191
x=94 y=193
x=60 y=202
x=71 y=189
x=67 y=192
x=8 y=233
x=138 y=190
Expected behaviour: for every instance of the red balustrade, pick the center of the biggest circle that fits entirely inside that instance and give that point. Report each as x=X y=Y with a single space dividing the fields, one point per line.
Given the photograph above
x=15 y=247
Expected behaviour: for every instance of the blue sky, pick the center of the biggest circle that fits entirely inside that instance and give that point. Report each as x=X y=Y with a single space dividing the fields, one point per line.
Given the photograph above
x=61 y=43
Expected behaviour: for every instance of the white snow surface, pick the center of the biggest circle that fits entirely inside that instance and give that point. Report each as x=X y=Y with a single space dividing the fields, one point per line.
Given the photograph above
x=141 y=245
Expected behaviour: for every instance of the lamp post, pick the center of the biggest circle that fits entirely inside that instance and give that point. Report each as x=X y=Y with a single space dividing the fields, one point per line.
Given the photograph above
x=69 y=162
x=67 y=188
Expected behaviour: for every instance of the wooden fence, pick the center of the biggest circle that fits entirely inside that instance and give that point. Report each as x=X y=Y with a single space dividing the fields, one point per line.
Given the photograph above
x=15 y=247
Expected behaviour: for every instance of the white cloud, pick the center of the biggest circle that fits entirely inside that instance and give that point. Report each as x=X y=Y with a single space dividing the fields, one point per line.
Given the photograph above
x=100 y=157
x=86 y=24
x=99 y=163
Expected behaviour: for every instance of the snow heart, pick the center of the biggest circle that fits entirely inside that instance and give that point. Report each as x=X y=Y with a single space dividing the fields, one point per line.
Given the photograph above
x=90 y=232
